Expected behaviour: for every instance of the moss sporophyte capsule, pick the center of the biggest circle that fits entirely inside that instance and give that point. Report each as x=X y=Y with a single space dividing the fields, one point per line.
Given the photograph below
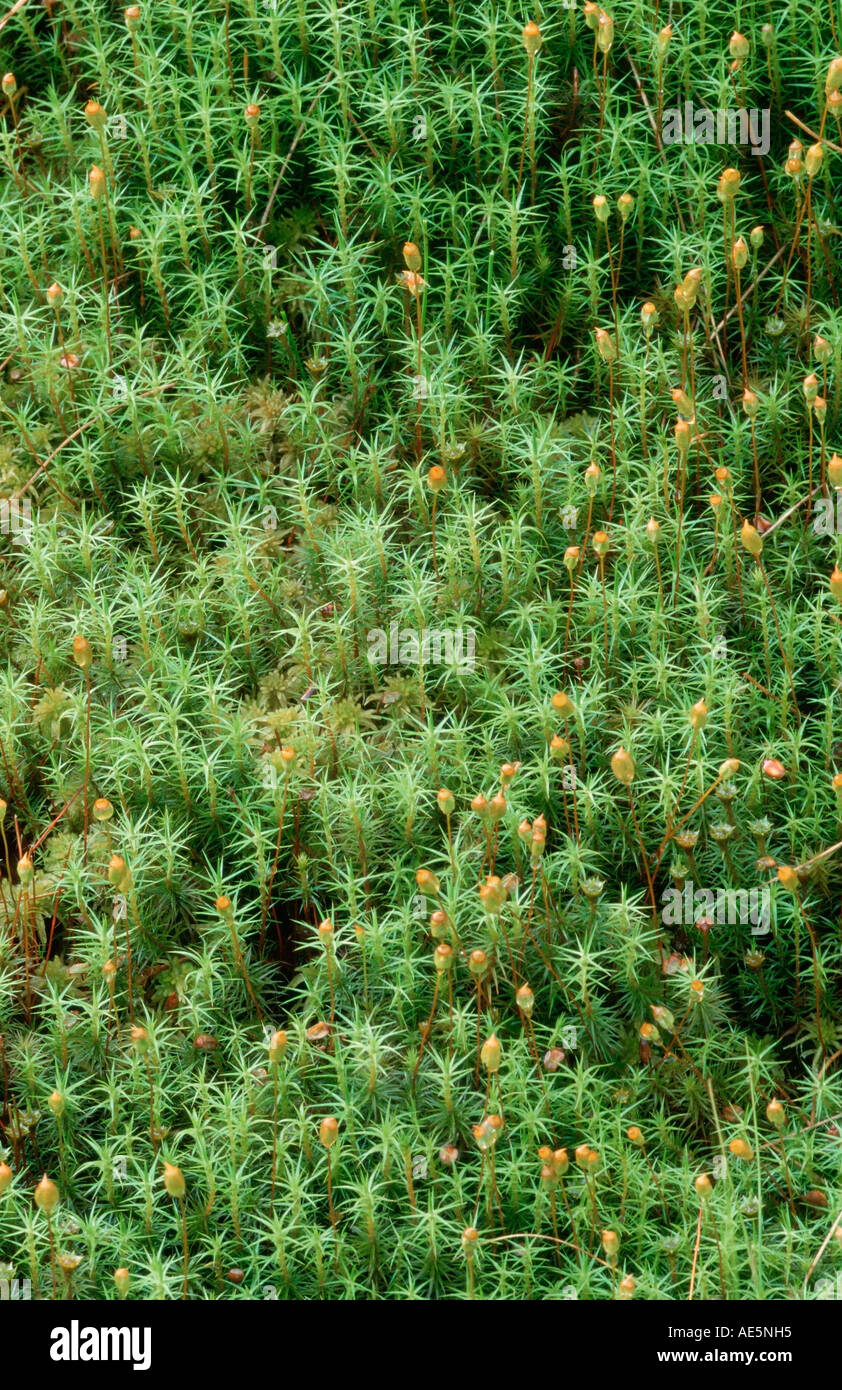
x=622 y=766
x=174 y=1180
x=46 y=1195
x=532 y=38
x=328 y=1131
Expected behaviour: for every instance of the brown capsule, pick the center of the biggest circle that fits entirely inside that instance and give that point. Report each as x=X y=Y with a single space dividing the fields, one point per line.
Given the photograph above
x=317 y=1032
x=815 y=1198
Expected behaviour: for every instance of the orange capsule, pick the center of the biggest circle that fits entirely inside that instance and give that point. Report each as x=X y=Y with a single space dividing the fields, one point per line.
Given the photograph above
x=525 y=1000
x=562 y=704
x=328 y=1131
x=606 y=347
x=532 y=38
x=740 y=1149
x=788 y=878
x=478 y=963
x=82 y=654
x=622 y=766
x=436 y=478
x=95 y=116
x=729 y=183
x=773 y=769
x=46 y=1195
x=96 y=182
x=698 y=716
x=775 y=1114
x=174 y=1180
x=427 y=883
x=751 y=540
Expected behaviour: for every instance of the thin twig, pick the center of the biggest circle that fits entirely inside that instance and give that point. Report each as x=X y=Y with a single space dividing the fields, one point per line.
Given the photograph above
x=291 y=151
x=18 y=5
